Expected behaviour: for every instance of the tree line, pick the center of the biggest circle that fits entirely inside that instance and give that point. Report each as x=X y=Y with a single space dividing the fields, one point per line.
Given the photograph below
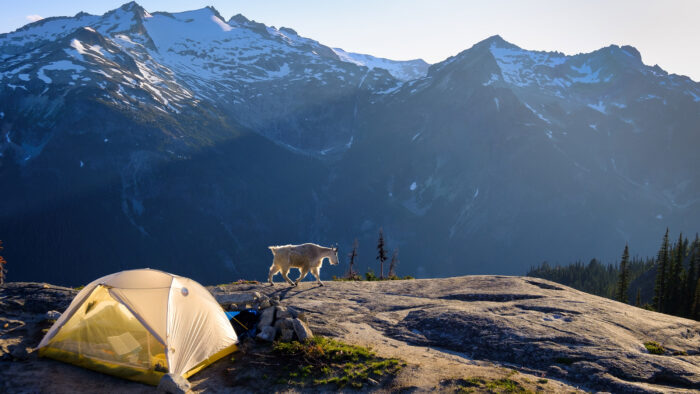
x=668 y=283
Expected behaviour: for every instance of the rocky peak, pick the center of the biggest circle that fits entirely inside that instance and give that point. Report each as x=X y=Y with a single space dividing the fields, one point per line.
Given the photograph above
x=134 y=8
x=632 y=51
x=238 y=19
x=215 y=12
x=496 y=41
x=130 y=11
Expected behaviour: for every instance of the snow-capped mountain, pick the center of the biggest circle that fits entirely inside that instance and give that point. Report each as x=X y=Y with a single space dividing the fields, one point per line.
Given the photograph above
x=189 y=142
x=403 y=70
x=172 y=61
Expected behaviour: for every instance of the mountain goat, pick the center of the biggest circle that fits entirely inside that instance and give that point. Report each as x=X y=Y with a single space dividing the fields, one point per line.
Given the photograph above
x=305 y=257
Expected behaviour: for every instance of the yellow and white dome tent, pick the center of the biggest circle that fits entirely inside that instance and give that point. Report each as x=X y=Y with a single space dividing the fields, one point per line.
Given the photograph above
x=139 y=325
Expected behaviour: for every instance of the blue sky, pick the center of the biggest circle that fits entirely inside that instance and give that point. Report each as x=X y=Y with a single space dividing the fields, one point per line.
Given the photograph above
x=665 y=32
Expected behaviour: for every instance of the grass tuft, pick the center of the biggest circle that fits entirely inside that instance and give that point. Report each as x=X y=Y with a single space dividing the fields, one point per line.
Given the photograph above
x=503 y=385
x=654 y=347
x=323 y=361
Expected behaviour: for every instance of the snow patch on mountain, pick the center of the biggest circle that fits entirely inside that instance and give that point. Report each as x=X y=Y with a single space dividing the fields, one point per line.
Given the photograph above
x=61 y=65
x=518 y=65
x=539 y=115
x=599 y=106
x=403 y=70
x=586 y=74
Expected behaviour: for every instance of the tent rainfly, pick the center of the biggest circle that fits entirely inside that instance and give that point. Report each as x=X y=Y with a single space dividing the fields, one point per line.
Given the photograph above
x=140 y=325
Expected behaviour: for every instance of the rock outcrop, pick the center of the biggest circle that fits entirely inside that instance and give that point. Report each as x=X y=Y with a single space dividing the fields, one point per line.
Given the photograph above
x=530 y=324
x=446 y=329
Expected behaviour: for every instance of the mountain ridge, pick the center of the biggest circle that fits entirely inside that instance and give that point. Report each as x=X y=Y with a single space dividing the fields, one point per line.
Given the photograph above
x=169 y=122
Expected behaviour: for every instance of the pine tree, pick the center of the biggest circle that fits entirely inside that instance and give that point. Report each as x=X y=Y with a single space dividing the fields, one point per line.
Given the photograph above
x=3 y=270
x=691 y=276
x=623 y=278
x=695 y=310
x=393 y=264
x=352 y=256
x=381 y=253
x=675 y=279
x=660 y=287
x=638 y=300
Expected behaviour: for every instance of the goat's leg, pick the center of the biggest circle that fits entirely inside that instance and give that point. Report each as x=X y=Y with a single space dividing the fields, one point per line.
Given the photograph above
x=302 y=274
x=317 y=274
x=273 y=270
x=284 y=273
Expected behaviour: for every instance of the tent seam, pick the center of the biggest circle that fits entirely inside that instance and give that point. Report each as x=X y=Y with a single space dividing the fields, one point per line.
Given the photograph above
x=167 y=324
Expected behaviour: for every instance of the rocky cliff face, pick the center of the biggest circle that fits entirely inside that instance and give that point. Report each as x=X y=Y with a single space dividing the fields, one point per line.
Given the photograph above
x=448 y=330
x=190 y=143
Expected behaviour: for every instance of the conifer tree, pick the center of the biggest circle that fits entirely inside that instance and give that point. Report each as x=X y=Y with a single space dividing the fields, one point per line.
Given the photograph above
x=381 y=253
x=3 y=270
x=660 y=287
x=675 y=279
x=623 y=278
x=638 y=299
x=394 y=263
x=352 y=256
x=691 y=276
x=695 y=309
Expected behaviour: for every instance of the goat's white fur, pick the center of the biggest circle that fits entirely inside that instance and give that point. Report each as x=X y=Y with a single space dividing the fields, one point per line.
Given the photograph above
x=305 y=257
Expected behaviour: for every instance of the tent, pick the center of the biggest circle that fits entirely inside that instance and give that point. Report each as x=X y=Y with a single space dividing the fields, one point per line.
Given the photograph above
x=139 y=325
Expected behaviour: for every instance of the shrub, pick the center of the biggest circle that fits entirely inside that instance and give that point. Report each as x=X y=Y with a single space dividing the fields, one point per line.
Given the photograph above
x=370 y=276
x=654 y=347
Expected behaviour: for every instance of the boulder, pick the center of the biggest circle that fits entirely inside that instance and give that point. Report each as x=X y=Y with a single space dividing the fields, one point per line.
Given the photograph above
x=173 y=384
x=267 y=334
x=244 y=300
x=266 y=318
x=282 y=312
x=302 y=330
x=284 y=323
x=264 y=303
x=302 y=316
x=293 y=311
x=286 y=334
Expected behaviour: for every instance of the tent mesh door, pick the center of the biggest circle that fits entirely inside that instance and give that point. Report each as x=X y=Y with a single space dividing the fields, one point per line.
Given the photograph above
x=103 y=329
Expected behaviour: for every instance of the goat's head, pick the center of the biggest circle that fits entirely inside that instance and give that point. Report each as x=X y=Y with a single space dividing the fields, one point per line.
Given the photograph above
x=333 y=259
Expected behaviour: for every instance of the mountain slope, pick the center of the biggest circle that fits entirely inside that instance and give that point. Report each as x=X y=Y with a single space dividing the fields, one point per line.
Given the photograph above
x=190 y=143
x=503 y=170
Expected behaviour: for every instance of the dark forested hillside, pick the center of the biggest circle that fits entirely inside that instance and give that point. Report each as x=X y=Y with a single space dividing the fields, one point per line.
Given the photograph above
x=669 y=283
x=595 y=277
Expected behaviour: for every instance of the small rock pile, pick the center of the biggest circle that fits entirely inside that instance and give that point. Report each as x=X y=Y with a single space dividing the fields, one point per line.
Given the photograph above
x=276 y=321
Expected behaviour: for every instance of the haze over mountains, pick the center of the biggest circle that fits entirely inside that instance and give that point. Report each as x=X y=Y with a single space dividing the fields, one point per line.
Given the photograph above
x=190 y=143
